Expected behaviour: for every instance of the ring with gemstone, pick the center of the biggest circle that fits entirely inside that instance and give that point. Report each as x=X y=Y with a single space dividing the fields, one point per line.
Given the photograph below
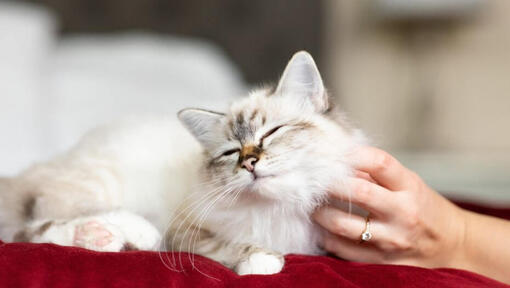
x=366 y=235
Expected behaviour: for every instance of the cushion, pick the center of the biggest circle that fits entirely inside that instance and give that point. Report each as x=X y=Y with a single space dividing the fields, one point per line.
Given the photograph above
x=48 y=265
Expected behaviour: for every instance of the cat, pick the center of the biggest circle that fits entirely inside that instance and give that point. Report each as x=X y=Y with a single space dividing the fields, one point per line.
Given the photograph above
x=238 y=187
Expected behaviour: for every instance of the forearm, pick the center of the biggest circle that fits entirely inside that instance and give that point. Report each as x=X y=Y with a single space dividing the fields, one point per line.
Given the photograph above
x=486 y=247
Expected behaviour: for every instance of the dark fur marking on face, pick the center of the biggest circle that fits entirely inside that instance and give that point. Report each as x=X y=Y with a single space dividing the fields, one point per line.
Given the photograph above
x=28 y=208
x=241 y=130
x=212 y=162
x=254 y=114
x=239 y=119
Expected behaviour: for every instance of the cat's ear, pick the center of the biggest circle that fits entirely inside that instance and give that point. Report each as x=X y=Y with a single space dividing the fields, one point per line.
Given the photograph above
x=301 y=78
x=203 y=124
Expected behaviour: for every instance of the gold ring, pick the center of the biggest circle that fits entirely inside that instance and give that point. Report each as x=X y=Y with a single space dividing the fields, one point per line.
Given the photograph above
x=366 y=235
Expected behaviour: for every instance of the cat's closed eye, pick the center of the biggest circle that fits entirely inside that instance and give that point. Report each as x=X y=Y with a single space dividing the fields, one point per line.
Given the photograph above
x=230 y=152
x=269 y=133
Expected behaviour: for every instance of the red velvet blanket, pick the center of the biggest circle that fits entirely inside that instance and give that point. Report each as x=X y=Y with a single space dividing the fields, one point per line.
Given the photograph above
x=47 y=265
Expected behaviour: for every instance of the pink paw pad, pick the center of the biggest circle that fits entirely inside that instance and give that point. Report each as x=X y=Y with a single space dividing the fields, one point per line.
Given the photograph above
x=92 y=234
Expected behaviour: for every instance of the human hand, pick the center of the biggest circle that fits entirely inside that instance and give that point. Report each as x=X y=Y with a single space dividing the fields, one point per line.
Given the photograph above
x=410 y=223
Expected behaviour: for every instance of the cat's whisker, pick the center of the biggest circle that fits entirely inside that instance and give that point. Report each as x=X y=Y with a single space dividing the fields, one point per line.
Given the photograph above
x=202 y=217
x=198 y=191
x=209 y=195
x=195 y=204
x=189 y=226
x=229 y=189
x=165 y=241
x=208 y=183
x=191 y=255
x=194 y=238
x=235 y=197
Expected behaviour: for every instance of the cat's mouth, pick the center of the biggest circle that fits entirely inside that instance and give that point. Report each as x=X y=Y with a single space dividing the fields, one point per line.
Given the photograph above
x=259 y=176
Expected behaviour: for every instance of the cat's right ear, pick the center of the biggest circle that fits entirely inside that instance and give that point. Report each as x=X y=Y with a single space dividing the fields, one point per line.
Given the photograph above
x=203 y=124
x=302 y=81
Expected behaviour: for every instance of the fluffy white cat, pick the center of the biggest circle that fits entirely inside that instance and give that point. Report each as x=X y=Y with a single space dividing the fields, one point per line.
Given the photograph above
x=242 y=194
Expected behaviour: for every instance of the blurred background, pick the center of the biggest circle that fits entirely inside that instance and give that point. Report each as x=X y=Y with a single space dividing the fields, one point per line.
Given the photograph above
x=428 y=80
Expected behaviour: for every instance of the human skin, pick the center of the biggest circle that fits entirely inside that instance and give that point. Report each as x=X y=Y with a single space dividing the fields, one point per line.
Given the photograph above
x=410 y=223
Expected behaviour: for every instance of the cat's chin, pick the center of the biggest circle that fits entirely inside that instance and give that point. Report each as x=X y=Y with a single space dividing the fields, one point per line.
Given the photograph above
x=258 y=183
x=258 y=180
x=263 y=185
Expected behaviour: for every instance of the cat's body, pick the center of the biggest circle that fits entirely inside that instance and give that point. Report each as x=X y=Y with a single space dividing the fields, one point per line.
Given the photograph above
x=134 y=165
x=243 y=197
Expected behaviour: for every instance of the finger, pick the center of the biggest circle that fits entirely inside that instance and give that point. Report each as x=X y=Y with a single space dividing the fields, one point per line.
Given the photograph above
x=340 y=223
x=349 y=226
x=363 y=175
x=382 y=167
x=349 y=250
x=369 y=196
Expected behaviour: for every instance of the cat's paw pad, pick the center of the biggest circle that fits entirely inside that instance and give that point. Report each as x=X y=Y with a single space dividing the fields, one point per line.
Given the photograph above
x=260 y=263
x=91 y=234
x=96 y=236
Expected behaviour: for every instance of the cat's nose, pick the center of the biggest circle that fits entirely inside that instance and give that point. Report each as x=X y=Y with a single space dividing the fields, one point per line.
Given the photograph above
x=249 y=163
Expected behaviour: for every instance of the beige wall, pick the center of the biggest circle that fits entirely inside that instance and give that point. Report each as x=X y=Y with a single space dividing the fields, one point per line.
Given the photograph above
x=443 y=88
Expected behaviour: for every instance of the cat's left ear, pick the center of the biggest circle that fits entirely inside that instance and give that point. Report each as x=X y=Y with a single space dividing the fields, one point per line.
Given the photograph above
x=301 y=78
x=203 y=124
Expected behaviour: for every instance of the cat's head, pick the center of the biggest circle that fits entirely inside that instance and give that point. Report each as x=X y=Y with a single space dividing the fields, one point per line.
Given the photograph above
x=279 y=144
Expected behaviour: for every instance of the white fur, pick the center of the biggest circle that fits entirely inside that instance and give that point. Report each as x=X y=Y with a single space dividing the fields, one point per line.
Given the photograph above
x=260 y=263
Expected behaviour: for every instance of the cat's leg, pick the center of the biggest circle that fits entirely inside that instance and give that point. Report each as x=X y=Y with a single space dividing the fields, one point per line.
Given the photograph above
x=244 y=259
x=255 y=260
x=111 y=231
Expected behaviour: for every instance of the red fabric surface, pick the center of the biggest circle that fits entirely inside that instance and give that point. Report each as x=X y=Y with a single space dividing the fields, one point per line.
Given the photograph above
x=48 y=265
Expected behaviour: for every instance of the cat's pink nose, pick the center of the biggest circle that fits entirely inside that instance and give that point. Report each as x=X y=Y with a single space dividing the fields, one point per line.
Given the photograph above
x=249 y=163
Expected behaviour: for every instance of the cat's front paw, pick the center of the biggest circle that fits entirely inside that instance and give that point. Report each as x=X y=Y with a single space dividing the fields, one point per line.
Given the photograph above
x=263 y=263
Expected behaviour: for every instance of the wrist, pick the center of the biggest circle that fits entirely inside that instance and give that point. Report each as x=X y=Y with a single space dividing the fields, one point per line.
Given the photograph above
x=461 y=258
x=482 y=247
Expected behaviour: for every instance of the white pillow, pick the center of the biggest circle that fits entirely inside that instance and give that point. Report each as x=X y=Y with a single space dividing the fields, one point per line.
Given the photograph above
x=98 y=79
